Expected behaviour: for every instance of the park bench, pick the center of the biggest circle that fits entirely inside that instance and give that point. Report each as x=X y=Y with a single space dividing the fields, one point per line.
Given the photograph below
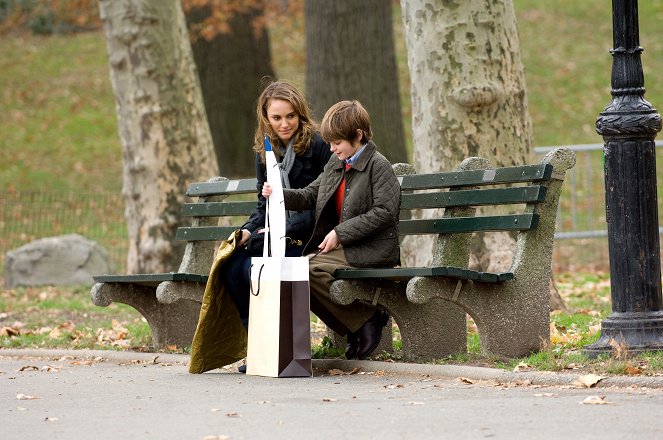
x=511 y=309
x=170 y=302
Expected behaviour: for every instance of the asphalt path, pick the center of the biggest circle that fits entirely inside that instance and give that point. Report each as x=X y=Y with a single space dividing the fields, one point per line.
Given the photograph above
x=102 y=395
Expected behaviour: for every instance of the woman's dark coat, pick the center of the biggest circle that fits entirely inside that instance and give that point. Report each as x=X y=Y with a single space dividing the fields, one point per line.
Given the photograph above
x=306 y=169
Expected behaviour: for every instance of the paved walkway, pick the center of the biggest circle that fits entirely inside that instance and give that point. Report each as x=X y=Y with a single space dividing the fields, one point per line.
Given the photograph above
x=53 y=394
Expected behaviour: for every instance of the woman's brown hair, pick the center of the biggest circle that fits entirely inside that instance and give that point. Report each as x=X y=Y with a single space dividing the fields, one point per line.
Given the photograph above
x=307 y=126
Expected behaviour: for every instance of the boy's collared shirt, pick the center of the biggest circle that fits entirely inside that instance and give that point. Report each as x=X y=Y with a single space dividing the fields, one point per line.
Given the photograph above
x=353 y=159
x=340 y=192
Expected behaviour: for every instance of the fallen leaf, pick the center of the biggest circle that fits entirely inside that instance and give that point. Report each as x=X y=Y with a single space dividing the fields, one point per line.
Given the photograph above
x=466 y=380
x=522 y=367
x=233 y=414
x=29 y=367
x=43 y=330
x=83 y=362
x=594 y=400
x=337 y=372
x=328 y=399
x=51 y=419
x=619 y=349
x=51 y=368
x=9 y=331
x=633 y=370
x=588 y=380
x=391 y=387
x=25 y=397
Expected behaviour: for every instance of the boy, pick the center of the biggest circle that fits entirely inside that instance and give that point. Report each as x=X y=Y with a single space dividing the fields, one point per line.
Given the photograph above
x=356 y=201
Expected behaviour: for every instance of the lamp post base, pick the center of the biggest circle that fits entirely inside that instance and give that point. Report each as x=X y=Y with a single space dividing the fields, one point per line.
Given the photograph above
x=637 y=332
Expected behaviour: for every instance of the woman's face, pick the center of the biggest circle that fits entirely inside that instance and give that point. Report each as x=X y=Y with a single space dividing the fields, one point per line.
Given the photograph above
x=283 y=119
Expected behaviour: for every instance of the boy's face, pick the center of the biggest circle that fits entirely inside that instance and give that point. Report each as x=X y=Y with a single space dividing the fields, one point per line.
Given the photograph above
x=283 y=119
x=344 y=149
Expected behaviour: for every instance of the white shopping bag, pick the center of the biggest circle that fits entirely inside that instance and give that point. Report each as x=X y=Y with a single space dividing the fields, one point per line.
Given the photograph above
x=279 y=342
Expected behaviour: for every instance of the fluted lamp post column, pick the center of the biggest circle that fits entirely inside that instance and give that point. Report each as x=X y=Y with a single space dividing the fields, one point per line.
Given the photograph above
x=629 y=126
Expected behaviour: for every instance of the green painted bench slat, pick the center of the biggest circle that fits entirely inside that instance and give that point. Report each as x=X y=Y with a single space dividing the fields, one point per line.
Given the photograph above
x=220 y=209
x=527 y=173
x=405 y=273
x=452 y=225
x=223 y=187
x=151 y=280
x=519 y=222
x=499 y=196
x=205 y=233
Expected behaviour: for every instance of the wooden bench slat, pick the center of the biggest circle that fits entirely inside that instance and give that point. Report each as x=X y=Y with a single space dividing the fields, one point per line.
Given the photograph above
x=223 y=187
x=406 y=273
x=484 y=197
x=212 y=209
x=151 y=280
x=527 y=173
x=205 y=233
x=453 y=225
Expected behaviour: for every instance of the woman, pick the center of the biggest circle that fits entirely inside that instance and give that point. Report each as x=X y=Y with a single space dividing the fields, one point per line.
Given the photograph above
x=284 y=116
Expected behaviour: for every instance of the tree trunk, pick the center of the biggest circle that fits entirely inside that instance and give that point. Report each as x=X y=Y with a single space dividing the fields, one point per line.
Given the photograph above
x=468 y=92
x=231 y=66
x=468 y=83
x=350 y=55
x=163 y=129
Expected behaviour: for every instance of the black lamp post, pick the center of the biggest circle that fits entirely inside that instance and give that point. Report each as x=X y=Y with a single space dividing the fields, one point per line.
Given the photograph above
x=629 y=126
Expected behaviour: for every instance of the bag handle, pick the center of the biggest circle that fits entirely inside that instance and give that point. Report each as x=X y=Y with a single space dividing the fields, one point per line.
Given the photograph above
x=259 y=276
x=267 y=248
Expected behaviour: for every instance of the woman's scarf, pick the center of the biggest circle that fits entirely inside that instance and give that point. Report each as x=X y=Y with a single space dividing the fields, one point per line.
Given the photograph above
x=286 y=165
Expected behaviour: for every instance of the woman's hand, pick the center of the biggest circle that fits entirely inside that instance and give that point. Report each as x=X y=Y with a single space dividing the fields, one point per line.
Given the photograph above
x=246 y=234
x=245 y=237
x=266 y=190
x=330 y=242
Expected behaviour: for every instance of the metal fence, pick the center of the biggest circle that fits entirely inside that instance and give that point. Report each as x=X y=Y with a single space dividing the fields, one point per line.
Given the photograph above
x=581 y=237
x=27 y=216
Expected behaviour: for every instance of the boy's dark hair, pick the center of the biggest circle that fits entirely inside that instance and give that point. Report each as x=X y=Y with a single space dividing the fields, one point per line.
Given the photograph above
x=342 y=121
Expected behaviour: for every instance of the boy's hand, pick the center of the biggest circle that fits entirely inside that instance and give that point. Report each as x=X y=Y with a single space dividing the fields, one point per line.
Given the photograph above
x=330 y=242
x=266 y=190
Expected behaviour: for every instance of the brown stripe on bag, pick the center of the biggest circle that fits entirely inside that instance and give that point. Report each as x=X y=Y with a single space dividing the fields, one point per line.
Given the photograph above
x=295 y=330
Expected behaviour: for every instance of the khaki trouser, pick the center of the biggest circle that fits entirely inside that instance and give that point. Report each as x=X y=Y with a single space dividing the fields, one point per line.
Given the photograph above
x=342 y=319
